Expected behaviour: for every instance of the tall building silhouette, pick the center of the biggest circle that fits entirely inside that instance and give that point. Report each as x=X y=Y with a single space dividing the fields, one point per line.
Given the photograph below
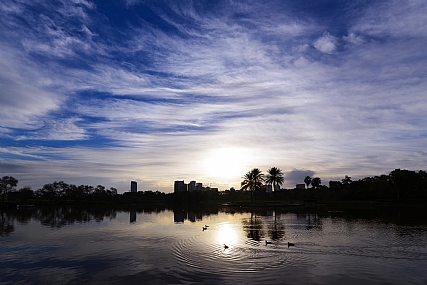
x=199 y=186
x=179 y=186
x=133 y=187
x=192 y=186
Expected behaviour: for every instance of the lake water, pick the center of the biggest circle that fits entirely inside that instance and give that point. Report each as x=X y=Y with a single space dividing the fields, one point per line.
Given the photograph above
x=75 y=245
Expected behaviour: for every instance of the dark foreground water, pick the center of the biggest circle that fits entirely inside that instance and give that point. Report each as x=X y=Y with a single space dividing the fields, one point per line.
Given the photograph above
x=109 y=246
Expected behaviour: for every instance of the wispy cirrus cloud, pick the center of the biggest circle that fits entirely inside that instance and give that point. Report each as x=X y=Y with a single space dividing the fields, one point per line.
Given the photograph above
x=187 y=90
x=58 y=130
x=395 y=19
x=24 y=97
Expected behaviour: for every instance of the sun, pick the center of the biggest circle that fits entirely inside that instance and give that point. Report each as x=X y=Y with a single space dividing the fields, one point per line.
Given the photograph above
x=226 y=163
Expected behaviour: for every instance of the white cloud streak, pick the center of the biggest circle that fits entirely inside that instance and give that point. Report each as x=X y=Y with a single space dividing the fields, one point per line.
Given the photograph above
x=23 y=96
x=272 y=86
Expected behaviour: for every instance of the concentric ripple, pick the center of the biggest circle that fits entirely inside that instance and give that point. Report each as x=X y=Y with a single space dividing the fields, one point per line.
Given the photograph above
x=205 y=251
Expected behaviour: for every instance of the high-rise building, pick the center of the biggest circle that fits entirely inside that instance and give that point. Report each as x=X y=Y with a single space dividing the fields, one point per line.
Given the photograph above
x=133 y=187
x=179 y=186
x=199 y=186
x=192 y=186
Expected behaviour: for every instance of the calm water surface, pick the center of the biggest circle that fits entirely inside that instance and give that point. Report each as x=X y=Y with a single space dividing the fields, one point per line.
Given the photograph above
x=108 y=246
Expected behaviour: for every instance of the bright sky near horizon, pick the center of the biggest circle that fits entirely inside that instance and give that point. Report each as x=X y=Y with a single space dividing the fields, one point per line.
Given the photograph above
x=104 y=92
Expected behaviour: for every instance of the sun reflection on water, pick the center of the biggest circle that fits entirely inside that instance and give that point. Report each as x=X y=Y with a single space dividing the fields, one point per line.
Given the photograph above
x=227 y=234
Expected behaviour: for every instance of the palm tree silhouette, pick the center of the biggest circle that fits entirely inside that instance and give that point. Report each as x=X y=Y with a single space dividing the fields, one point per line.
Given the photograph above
x=307 y=180
x=275 y=177
x=252 y=181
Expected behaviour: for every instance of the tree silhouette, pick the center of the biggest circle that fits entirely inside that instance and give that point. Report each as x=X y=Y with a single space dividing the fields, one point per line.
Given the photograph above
x=315 y=182
x=24 y=194
x=307 y=180
x=252 y=181
x=275 y=177
x=7 y=184
x=346 y=181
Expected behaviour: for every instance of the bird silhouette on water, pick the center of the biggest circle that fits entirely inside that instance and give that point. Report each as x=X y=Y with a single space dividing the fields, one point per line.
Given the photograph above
x=204 y=228
x=268 y=242
x=225 y=246
x=290 y=244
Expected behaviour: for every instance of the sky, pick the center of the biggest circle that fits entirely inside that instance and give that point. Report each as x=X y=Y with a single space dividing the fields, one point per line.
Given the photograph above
x=105 y=92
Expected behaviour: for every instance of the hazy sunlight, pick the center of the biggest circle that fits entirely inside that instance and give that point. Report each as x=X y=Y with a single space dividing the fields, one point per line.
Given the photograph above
x=226 y=163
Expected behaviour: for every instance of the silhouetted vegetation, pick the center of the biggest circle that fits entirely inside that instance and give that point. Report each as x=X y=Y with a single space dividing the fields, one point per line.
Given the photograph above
x=252 y=181
x=7 y=184
x=400 y=186
x=275 y=177
x=307 y=180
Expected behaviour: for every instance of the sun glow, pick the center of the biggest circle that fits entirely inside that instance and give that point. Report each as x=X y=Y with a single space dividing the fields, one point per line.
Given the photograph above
x=226 y=163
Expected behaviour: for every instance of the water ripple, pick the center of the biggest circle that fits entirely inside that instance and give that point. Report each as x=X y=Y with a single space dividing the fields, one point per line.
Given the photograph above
x=202 y=252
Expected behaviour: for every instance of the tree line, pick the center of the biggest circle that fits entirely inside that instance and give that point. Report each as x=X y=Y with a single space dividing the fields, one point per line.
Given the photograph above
x=58 y=191
x=399 y=185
